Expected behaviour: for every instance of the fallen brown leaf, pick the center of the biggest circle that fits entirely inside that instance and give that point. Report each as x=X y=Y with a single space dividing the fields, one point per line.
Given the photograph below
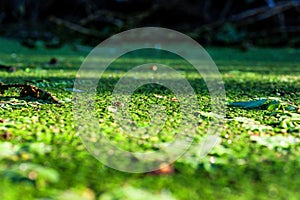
x=174 y=99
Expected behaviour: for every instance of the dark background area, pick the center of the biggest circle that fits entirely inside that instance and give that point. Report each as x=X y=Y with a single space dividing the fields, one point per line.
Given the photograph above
x=242 y=23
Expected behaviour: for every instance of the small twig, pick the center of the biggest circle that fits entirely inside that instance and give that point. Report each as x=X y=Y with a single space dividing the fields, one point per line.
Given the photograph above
x=104 y=15
x=251 y=16
x=75 y=27
x=262 y=13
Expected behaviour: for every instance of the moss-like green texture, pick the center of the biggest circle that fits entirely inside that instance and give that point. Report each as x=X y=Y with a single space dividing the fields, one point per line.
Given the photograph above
x=258 y=156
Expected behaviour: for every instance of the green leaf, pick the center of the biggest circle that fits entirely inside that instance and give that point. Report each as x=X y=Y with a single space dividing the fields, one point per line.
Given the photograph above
x=273 y=105
x=249 y=104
